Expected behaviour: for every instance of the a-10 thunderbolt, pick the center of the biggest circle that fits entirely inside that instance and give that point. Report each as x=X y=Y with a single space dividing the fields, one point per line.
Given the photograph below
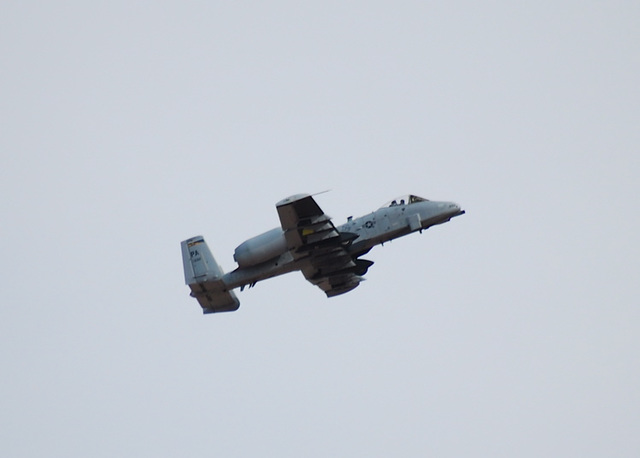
x=307 y=240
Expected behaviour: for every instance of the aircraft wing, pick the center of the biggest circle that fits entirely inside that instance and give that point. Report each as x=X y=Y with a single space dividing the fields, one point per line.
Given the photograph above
x=311 y=236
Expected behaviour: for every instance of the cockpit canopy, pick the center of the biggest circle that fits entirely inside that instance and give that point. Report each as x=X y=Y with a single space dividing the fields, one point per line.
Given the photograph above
x=404 y=200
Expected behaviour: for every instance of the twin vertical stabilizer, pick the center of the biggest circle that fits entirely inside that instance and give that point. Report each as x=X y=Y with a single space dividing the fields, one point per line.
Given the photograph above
x=204 y=276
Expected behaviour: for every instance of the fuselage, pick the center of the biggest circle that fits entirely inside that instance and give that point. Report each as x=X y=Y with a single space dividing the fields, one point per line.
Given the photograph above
x=265 y=256
x=393 y=221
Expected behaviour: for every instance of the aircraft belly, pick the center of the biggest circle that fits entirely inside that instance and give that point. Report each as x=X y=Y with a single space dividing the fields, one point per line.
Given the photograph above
x=249 y=275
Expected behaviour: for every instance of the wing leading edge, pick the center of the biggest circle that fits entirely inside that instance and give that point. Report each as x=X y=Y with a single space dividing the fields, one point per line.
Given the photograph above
x=313 y=239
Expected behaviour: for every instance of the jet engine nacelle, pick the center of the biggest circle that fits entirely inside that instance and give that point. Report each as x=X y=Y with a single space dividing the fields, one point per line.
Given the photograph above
x=261 y=248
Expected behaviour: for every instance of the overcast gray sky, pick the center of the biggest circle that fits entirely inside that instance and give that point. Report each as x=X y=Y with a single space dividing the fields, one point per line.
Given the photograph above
x=130 y=126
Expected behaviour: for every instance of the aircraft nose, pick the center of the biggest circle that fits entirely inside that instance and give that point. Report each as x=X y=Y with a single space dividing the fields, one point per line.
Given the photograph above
x=453 y=208
x=448 y=206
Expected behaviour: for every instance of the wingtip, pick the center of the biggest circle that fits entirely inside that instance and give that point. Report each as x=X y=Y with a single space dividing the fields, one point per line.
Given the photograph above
x=291 y=199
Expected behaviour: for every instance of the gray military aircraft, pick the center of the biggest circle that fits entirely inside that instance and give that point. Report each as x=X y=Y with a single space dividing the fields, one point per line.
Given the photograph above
x=307 y=240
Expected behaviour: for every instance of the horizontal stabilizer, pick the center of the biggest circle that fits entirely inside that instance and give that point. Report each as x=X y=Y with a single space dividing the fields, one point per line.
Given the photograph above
x=204 y=276
x=213 y=297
